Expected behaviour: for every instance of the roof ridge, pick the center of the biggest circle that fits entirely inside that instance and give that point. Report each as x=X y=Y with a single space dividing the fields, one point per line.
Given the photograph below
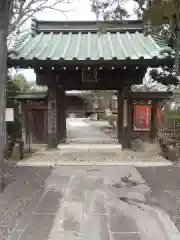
x=87 y=21
x=45 y=26
x=40 y=92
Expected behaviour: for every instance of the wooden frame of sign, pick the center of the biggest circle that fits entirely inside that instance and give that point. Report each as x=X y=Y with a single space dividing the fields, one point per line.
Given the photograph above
x=89 y=75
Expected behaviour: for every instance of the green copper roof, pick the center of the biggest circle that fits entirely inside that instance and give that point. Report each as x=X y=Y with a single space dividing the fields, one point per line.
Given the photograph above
x=87 y=41
x=30 y=96
x=43 y=95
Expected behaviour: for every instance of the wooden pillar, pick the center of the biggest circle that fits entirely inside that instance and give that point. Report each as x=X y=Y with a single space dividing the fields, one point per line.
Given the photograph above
x=125 y=121
x=119 y=116
x=52 y=117
x=61 y=115
x=153 y=132
x=23 y=112
x=130 y=116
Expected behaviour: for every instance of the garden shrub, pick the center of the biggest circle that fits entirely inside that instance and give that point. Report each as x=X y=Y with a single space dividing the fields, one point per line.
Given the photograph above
x=112 y=120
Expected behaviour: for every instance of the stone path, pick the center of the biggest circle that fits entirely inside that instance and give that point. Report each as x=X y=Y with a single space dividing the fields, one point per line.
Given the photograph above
x=90 y=202
x=85 y=131
x=77 y=157
x=83 y=201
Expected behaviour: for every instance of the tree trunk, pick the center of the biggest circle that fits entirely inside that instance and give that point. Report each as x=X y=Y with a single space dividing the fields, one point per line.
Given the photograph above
x=177 y=46
x=4 y=20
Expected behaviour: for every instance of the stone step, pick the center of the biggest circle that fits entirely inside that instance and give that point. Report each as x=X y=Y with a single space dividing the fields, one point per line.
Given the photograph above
x=90 y=147
x=84 y=141
x=91 y=163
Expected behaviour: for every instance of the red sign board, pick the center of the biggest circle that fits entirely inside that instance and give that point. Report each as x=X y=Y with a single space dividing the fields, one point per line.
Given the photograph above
x=142 y=117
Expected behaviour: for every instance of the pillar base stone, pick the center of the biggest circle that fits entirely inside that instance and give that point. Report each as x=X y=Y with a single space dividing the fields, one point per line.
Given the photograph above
x=125 y=142
x=52 y=140
x=63 y=140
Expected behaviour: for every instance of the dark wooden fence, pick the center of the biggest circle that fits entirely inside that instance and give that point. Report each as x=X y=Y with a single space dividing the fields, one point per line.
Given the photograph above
x=171 y=129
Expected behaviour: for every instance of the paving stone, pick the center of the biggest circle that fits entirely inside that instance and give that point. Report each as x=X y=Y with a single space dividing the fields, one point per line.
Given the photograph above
x=58 y=177
x=68 y=218
x=112 y=208
x=93 y=172
x=57 y=182
x=65 y=236
x=50 y=203
x=126 y=236
x=94 y=203
x=122 y=223
x=68 y=170
x=70 y=225
x=38 y=228
x=95 y=227
x=80 y=177
x=74 y=194
x=94 y=182
x=70 y=211
x=78 y=185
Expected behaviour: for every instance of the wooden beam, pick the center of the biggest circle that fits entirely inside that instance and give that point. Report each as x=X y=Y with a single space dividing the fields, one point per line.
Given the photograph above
x=154 y=127
x=107 y=79
x=148 y=95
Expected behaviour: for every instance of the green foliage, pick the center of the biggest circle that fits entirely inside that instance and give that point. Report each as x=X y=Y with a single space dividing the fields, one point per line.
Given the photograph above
x=172 y=114
x=173 y=117
x=21 y=83
x=110 y=10
x=112 y=119
x=14 y=129
x=159 y=14
x=14 y=87
x=166 y=77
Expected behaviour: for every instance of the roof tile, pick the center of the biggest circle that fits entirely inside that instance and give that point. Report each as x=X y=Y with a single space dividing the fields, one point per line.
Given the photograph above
x=88 y=45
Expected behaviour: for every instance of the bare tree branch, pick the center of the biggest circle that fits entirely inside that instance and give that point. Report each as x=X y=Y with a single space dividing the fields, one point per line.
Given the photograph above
x=23 y=10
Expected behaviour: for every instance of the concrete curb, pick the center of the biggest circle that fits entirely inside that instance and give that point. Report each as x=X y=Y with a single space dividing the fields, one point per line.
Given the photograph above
x=90 y=147
x=171 y=230
x=90 y=163
x=165 y=222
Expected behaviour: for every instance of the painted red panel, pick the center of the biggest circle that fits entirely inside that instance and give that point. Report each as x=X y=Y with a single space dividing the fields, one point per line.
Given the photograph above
x=142 y=116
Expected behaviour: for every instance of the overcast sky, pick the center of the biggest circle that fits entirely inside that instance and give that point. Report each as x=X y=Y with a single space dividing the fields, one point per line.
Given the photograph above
x=78 y=10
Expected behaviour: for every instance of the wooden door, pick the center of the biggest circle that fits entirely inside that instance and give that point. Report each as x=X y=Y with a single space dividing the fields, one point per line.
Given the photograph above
x=39 y=126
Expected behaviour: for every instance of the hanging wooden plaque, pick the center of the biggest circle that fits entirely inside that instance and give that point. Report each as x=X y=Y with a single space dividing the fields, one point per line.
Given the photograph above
x=52 y=113
x=89 y=75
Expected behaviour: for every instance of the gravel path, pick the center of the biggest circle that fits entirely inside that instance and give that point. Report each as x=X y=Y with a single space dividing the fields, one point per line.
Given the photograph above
x=164 y=183
x=21 y=184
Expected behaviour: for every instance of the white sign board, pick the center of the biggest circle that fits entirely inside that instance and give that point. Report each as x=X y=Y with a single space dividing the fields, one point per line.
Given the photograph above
x=9 y=115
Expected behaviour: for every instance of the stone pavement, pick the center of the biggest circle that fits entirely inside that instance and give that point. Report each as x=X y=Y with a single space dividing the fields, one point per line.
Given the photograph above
x=82 y=156
x=81 y=130
x=91 y=202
